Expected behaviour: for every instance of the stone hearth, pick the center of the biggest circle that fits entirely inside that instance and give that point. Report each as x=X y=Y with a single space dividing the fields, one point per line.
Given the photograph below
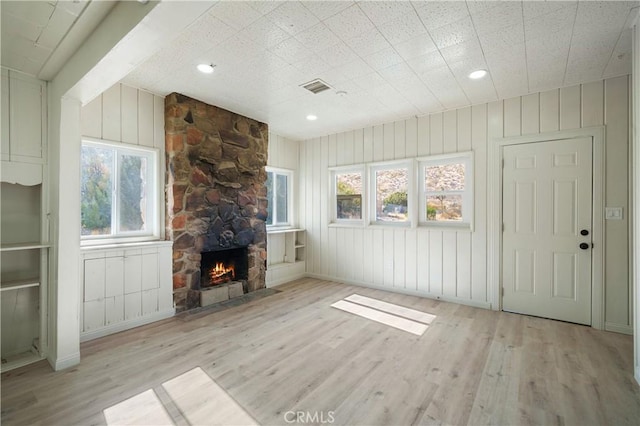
x=216 y=195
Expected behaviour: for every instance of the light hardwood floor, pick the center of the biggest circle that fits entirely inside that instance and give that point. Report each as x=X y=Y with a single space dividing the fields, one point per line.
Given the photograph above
x=292 y=352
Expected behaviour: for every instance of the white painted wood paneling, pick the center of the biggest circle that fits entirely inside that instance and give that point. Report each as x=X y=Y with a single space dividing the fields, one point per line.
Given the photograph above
x=111 y=114
x=452 y=264
x=145 y=119
x=129 y=114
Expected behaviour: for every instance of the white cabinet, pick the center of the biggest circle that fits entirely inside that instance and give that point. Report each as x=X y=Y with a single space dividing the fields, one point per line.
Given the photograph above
x=23 y=118
x=125 y=286
x=285 y=256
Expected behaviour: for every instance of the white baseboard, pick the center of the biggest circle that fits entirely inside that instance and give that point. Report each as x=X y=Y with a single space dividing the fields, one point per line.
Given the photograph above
x=126 y=325
x=65 y=362
x=618 y=328
x=461 y=301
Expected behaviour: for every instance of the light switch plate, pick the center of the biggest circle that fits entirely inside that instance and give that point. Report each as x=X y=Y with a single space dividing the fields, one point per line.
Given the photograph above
x=613 y=213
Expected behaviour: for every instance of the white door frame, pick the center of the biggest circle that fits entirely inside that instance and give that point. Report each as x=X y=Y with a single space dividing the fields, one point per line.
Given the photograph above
x=494 y=212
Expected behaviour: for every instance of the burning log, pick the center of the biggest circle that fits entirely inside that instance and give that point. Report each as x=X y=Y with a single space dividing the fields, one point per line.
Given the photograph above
x=221 y=273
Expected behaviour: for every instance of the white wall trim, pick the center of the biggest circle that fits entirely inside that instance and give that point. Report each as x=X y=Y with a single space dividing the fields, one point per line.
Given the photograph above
x=494 y=213
x=65 y=362
x=618 y=328
x=126 y=325
x=635 y=196
x=449 y=299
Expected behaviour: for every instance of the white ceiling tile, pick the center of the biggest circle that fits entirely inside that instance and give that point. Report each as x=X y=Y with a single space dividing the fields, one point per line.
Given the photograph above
x=264 y=6
x=397 y=72
x=56 y=28
x=559 y=20
x=317 y=38
x=292 y=17
x=618 y=66
x=479 y=6
x=555 y=44
x=403 y=28
x=326 y=9
x=503 y=38
x=235 y=13
x=383 y=59
x=454 y=33
x=610 y=15
x=208 y=32
x=27 y=48
x=424 y=63
x=478 y=91
x=312 y=66
x=461 y=69
x=381 y=12
x=459 y=52
x=436 y=14
x=264 y=32
x=11 y=59
x=408 y=85
x=416 y=47
x=368 y=42
x=349 y=23
x=439 y=79
x=371 y=80
x=355 y=69
x=533 y=9
x=513 y=55
x=264 y=61
x=337 y=55
x=488 y=21
x=291 y=50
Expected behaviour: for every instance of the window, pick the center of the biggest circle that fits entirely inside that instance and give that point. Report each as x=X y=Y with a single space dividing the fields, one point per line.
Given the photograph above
x=118 y=191
x=391 y=186
x=347 y=187
x=446 y=190
x=279 y=197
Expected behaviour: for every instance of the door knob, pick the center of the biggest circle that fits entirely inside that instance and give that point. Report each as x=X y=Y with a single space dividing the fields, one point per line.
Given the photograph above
x=584 y=232
x=584 y=246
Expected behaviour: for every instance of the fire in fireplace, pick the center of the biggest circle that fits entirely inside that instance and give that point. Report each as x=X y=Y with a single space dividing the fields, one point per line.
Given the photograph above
x=221 y=266
x=222 y=273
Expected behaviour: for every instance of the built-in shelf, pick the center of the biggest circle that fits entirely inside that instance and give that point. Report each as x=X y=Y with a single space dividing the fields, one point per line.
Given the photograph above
x=19 y=360
x=23 y=246
x=18 y=284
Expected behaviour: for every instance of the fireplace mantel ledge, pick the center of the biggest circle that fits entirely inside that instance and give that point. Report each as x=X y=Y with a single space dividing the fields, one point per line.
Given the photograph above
x=128 y=245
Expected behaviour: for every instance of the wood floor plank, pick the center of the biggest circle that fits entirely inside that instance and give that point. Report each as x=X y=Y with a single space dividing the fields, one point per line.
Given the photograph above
x=292 y=352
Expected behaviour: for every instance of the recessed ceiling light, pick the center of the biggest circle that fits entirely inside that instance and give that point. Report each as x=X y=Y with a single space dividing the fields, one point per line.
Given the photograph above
x=206 y=68
x=311 y=117
x=477 y=74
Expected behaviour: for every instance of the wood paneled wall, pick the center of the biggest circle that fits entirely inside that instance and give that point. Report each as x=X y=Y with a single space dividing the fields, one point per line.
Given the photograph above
x=451 y=264
x=125 y=114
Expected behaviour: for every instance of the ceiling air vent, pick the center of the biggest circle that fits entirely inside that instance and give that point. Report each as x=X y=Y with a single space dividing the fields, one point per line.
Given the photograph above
x=316 y=86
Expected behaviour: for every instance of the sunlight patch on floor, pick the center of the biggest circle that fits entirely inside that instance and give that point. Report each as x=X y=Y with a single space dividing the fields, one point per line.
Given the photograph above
x=399 y=317
x=203 y=402
x=200 y=400
x=143 y=409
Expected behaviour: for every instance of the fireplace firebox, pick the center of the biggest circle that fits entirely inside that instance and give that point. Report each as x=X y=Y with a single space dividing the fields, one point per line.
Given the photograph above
x=222 y=266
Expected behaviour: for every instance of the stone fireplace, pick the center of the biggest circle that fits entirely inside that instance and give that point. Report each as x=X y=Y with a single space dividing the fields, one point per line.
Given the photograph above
x=216 y=195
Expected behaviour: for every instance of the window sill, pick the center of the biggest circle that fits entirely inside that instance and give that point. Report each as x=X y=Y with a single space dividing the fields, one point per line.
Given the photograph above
x=111 y=244
x=282 y=230
x=353 y=224
x=446 y=226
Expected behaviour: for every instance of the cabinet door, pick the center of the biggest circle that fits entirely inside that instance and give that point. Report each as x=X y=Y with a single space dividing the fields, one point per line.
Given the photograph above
x=114 y=309
x=114 y=280
x=132 y=305
x=94 y=279
x=25 y=118
x=93 y=314
x=4 y=108
x=150 y=301
x=132 y=274
x=149 y=271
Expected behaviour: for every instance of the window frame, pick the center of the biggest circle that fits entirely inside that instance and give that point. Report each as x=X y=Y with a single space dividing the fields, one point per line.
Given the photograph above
x=468 y=207
x=408 y=164
x=153 y=207
x=290 y=199
x=333 y=194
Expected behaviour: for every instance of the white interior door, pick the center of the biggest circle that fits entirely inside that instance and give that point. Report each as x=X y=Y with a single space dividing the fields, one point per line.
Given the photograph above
x=546 y=240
